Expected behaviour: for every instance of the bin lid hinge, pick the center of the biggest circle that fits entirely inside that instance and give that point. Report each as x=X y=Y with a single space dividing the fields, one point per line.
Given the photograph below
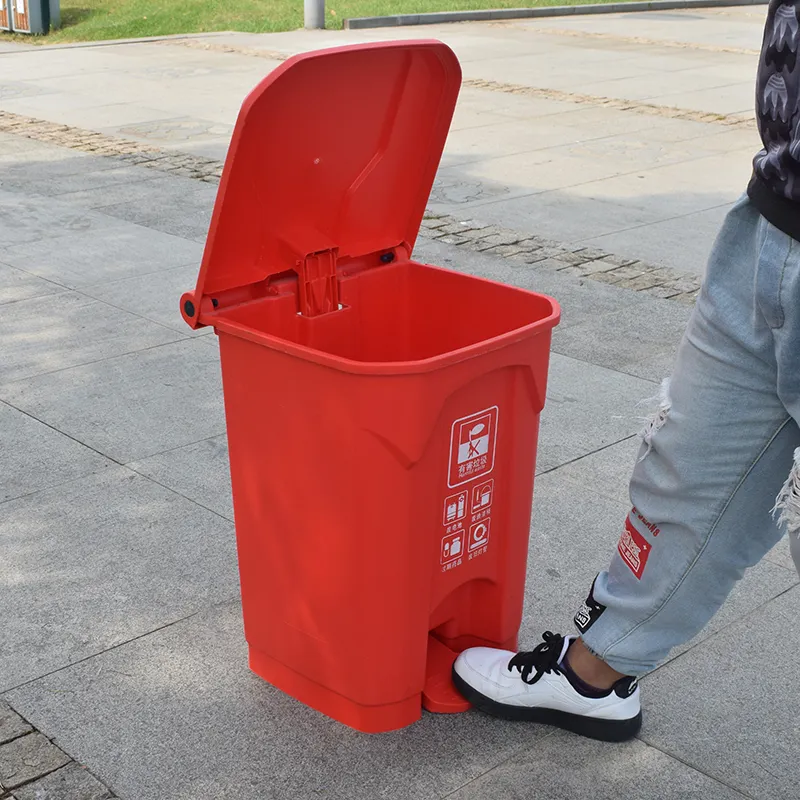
x=318 y=283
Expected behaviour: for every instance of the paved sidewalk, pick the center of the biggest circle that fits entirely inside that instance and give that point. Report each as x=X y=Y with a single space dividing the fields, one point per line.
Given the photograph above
x=121 y=647
x=630 y=132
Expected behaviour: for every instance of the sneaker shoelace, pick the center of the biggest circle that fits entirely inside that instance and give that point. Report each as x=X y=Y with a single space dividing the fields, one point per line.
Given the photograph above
x=542 y=659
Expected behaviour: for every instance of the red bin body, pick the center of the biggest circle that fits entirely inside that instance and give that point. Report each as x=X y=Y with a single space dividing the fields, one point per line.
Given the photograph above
x=382 y=414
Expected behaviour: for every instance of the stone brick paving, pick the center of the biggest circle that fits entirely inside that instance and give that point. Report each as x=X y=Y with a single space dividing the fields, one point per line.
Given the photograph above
x=33 y=768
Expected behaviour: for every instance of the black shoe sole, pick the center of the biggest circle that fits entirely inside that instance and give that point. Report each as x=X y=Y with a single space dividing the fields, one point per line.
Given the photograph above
x=606 y=730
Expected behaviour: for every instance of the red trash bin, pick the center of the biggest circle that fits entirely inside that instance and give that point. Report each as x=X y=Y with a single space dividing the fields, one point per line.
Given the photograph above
x=382 y=414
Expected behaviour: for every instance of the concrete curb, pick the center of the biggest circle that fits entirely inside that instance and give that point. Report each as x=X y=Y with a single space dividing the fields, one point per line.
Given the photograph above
x=546 y=11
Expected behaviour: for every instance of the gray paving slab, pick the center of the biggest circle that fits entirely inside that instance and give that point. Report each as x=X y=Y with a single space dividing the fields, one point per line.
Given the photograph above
x=34 y=456
x=71 y=782
x=683 y=243
x=661 y=148
x=669 y=87
x=105 y=249
x=728 y=141
x=28 y=219
x=591 y=157
x=643 y=131
x=62 y=62
x=563 y=767
x=58 y=168
x=132 y=406
x=724 y=99
x=653 y=366
x=535 y=70
x=26 y=758
x=141 y=191
x=737 y=717
x=511 y=137
x=155 y=296
x=101 y=560
x=58 y=102
x=199 y=471
x=197 y=724
x=12 y=726
x=574 y=533
x=553 y=213
x=515 y=178
x=645 y=85
x=587 y=407
x=737 y=31
x=181 y=129
x=491 y=107
x=16 y=284
x=12 y=146
x=731 y=170
x=51 y=170
x=638 y=338
x=94 y=113
x=704 y=139
x=113 y=176
x=606 y=472
x=50 y=333
x=180 y=212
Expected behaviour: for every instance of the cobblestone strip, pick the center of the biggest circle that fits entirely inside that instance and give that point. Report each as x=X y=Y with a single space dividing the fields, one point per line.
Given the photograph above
x=521 y=249
x=216 y=47
x=33 y=768
x=124 y=150
x=67 y=136
x=645 y=42
x=636 y=107
x=632 y=106
x=527 y=251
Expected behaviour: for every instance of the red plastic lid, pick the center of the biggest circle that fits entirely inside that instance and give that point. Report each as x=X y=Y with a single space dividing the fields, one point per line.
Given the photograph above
x=334 y=149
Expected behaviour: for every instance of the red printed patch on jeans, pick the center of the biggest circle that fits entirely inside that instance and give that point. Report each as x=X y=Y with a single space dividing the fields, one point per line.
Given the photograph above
x=634 y=549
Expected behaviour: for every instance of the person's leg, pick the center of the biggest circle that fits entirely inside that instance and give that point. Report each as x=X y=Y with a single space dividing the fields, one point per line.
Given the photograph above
x=710 y=468
x=784 y=289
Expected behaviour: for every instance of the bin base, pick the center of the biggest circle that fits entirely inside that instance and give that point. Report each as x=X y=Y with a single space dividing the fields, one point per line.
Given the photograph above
x=367 y=719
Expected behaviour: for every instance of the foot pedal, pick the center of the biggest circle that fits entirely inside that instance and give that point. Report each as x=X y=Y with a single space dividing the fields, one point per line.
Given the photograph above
x=439 y=695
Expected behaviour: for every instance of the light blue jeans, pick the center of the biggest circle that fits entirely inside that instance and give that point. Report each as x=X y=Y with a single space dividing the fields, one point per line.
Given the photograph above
x=718 y=455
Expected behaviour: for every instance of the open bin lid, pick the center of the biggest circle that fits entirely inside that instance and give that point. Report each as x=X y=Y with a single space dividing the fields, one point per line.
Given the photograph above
x=335 y=150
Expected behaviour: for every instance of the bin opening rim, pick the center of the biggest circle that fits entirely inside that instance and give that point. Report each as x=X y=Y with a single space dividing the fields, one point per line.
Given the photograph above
x=239 y=330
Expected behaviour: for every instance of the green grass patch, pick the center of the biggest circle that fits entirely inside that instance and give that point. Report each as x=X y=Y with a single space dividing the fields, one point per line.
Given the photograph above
x=93 y=20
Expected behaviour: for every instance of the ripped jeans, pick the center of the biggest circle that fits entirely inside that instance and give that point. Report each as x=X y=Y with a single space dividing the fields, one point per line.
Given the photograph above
x=713 y=462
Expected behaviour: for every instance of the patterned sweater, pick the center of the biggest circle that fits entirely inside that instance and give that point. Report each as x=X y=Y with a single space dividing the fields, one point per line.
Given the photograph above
x=775 y=188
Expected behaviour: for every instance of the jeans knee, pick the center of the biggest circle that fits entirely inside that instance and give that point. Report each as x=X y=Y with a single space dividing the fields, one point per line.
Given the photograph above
x=661 y=406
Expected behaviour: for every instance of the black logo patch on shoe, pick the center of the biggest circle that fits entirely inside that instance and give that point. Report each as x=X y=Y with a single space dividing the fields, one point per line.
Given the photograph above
x=589 y=612
x=626 y=687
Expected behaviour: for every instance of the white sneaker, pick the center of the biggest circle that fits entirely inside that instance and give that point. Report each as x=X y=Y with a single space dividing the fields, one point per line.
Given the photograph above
x=535 y=687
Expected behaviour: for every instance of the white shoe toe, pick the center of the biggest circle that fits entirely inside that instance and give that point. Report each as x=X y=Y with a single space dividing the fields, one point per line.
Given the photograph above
x=480 y=666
